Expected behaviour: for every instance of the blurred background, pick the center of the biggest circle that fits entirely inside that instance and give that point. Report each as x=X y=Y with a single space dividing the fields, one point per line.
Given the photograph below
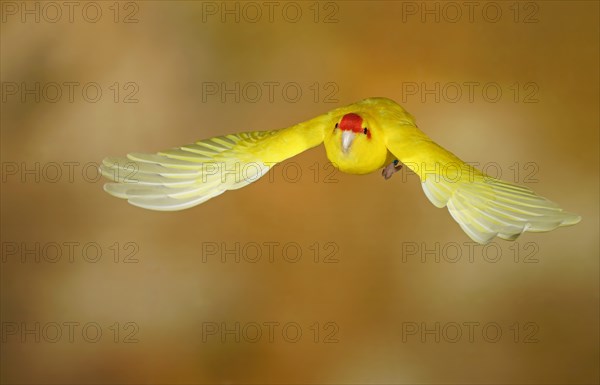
x=307 y=275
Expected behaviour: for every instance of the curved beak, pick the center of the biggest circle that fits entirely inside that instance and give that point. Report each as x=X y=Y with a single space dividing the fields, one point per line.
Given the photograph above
x=347 y=139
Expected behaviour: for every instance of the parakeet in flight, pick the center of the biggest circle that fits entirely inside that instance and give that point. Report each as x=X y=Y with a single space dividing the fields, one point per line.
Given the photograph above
x=373 y=134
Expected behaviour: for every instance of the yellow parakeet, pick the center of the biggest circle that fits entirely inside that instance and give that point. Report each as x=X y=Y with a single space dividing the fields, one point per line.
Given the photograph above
x=359 y=139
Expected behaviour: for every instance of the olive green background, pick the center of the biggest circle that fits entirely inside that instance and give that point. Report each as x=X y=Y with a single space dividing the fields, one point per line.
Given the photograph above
x=385 y=236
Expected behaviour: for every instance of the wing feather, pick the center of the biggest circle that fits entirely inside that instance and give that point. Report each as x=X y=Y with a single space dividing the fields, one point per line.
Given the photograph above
x=483 y=206
x=188 y=175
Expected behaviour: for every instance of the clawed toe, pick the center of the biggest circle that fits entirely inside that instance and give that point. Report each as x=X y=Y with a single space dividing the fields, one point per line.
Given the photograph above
x=391 y=169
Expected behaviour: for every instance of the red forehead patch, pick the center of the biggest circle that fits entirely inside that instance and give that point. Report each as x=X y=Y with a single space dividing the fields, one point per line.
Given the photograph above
x=351 y=122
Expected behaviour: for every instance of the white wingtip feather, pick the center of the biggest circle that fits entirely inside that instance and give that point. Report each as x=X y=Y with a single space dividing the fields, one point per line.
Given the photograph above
x=486 y=208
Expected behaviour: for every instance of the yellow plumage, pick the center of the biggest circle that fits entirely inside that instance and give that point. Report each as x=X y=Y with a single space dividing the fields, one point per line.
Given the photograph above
x=359 y=139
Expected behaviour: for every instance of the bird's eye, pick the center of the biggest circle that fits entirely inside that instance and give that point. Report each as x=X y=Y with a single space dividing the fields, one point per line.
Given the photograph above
x=365 y=130
x=336 y=125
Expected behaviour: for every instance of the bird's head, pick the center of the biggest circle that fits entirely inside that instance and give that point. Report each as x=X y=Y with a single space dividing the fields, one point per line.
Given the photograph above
x=354 y=133
x=350 y=126
x=355 y=143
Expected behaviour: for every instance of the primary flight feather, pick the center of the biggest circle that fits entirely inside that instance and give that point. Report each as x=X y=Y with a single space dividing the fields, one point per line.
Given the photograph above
x=360 y=138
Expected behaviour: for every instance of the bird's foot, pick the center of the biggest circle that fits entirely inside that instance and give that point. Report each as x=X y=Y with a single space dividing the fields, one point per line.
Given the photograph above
x=391 y=169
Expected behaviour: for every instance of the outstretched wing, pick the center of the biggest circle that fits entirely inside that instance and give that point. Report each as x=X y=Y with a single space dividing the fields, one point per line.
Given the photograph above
x=483 y=206
x=186 y=176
